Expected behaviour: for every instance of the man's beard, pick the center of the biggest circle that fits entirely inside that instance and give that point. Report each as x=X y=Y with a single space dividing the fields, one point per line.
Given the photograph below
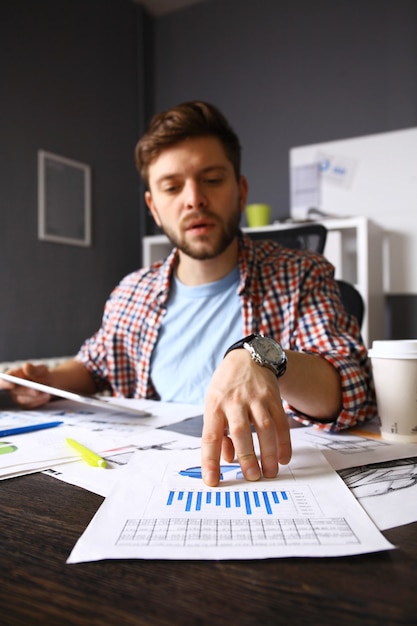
x=212 y=248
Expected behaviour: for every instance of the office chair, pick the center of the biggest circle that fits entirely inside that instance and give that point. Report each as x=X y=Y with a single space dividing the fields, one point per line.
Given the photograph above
x=352 y=300
x=304 y=237
x=313 y=237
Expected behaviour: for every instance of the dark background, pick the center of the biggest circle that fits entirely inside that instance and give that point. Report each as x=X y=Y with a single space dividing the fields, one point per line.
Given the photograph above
x=81 y=78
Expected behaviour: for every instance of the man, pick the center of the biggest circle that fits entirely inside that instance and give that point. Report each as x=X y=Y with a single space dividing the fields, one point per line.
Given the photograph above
x=166 y=328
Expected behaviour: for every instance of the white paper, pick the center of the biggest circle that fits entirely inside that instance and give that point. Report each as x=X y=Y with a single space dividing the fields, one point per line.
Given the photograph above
x=98 y=428
x=161 y=413
x=41 y=449
x=155 y=512
x=387 y=491
x=305 y=186
x=102 y=483
x=346 y=449
x=381 y=475
x=115 y=420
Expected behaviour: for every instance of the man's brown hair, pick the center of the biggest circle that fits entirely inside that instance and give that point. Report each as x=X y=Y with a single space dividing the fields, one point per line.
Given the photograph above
x=189 y=119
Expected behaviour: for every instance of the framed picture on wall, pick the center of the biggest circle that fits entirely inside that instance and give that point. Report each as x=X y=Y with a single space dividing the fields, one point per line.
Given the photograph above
x=64 y=200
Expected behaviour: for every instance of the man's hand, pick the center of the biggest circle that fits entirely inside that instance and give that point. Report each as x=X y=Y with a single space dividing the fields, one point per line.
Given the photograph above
x=242 y=394
x=24 y=396
x=70 y=375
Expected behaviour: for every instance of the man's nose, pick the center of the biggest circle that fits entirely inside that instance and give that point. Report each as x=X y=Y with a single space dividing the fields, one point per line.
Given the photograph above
x=194 y=195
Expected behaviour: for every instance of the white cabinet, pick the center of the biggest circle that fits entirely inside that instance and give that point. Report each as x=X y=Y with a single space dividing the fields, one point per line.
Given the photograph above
x=353 y=246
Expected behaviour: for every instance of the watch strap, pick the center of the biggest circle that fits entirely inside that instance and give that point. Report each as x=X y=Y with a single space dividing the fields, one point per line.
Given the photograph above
x=239 y=344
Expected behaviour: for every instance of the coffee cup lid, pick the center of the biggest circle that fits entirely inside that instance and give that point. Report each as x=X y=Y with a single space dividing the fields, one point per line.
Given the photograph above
x=394 y=349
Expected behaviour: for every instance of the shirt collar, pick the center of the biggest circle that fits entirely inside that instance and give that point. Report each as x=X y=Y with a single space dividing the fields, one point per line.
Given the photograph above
x=166 y=271
x=246 y=263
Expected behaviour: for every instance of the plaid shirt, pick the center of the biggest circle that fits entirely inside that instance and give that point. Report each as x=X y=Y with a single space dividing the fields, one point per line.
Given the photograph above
x=289 y=295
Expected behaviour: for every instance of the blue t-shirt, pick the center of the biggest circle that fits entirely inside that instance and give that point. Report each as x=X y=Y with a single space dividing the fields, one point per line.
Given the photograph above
x=199 y=325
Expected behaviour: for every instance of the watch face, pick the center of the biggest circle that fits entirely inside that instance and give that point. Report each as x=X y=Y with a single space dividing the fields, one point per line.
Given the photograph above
x=268 y=349
x=267 y=352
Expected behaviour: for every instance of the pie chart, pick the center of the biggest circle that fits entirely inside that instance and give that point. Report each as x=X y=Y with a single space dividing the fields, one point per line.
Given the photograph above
x=6 y=448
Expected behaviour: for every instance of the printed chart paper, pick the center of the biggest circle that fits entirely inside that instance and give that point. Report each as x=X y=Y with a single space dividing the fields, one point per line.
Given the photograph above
x=381 y=475
x=347 y=449
x=161 y=509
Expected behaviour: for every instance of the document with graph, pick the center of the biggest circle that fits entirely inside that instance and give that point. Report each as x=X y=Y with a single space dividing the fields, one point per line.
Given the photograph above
x=161 y=509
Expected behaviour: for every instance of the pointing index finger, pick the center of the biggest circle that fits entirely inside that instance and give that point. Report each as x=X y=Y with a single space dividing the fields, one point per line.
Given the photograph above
x=211 y=445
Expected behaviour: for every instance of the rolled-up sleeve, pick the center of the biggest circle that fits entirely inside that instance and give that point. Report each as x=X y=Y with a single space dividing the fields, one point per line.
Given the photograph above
x=323 y=327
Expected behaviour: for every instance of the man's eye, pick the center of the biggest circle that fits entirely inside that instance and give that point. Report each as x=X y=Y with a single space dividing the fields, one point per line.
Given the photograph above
x=214 y=181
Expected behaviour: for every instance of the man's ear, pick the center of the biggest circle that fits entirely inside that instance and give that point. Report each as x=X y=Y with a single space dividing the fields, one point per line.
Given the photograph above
x=151 y=207
x=243 y=192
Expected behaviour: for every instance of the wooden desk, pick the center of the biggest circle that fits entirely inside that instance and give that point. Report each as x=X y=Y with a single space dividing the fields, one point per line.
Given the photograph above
x=41 y=518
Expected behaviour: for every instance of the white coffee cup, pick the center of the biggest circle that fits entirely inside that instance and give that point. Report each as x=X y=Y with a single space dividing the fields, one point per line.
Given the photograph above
x=394 y=364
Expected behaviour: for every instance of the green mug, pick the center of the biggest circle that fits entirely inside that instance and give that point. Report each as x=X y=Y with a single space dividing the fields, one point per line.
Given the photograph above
x=258 y=215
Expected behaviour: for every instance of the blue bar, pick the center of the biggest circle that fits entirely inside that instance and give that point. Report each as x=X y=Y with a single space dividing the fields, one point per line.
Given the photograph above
x=267 y=503
x=189 y=501
x=198 y=504
x=231 y=499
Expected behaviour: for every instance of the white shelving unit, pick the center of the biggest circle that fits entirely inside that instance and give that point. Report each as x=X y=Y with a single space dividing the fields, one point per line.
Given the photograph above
x=353 y=246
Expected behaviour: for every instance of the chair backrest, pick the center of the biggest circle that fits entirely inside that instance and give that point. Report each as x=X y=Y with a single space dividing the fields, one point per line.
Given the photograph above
x=310 y=236
x=313 y=237
x=352 y=300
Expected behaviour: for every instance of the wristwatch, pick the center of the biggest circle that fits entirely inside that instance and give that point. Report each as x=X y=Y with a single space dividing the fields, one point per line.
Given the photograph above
x=265 y=351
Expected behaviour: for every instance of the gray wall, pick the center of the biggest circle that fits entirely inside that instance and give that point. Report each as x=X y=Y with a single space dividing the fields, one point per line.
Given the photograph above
x=296 y=72
x=68 y=84
x=292 y=72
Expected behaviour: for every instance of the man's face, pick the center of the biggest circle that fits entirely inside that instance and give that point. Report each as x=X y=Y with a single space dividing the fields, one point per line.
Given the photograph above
x=195 y=198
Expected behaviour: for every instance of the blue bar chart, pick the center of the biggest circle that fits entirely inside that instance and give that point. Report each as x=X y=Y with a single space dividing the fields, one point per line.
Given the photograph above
x=201 y=518
x=236 y=503
x=246 y=502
